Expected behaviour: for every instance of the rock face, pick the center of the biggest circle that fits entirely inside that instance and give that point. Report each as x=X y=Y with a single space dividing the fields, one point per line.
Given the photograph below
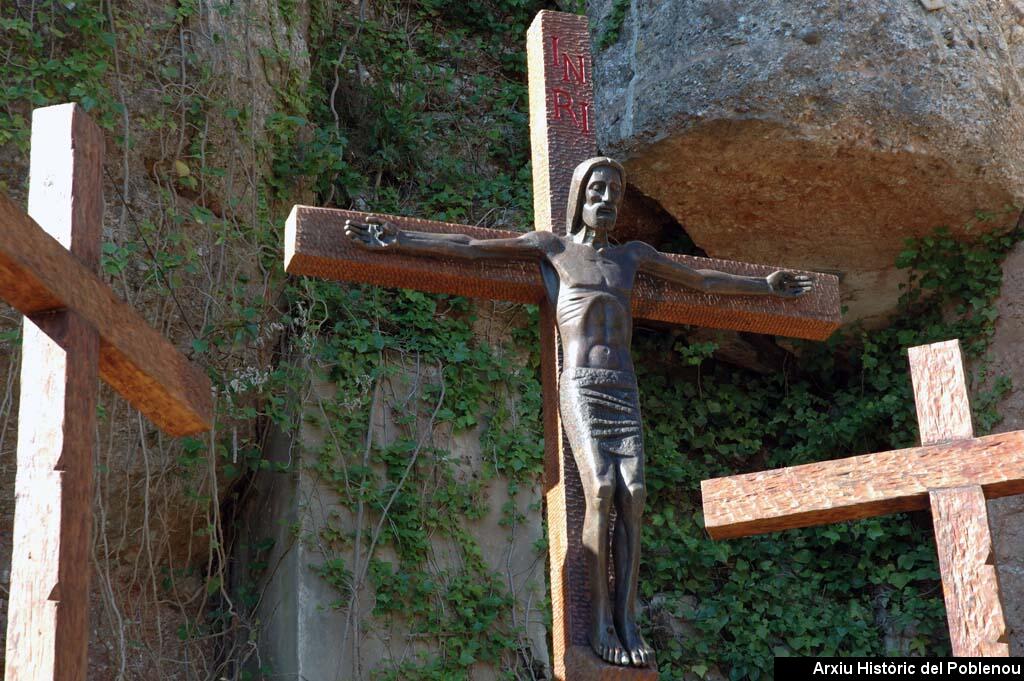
x=149 y=507
x=813 y=133
x=1005 y=514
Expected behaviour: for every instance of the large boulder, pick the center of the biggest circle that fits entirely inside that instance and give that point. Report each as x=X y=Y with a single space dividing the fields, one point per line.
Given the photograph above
x=816 y=134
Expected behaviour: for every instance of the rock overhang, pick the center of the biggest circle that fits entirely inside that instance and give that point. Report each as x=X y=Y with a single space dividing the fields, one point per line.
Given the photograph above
x=813 y=135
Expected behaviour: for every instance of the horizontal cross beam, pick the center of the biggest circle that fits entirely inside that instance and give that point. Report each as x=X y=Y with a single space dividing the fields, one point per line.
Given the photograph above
x=860 y=486
x=316 y=245
x=37 y=274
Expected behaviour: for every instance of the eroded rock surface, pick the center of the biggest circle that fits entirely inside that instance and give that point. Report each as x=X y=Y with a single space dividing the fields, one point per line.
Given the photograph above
x=1006 y=515
x=816 y=134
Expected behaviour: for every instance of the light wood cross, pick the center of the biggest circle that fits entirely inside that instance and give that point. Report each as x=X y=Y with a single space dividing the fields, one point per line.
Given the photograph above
x=952 y=471
x=75 y=329
x=561 y=129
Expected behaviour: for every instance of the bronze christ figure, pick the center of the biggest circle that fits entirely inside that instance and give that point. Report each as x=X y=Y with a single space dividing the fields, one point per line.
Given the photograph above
x=590 y=283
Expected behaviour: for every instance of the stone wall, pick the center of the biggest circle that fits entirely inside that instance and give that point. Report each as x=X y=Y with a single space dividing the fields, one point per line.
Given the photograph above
x=311 y=629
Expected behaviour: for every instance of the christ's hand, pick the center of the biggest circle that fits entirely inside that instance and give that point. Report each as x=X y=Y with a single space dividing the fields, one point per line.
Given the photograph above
x=789 y=284
x=372 y=234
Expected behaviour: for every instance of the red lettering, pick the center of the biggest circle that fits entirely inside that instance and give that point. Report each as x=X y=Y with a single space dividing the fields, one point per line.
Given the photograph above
x=574 y=64
x=580 y=76
x=562 y=100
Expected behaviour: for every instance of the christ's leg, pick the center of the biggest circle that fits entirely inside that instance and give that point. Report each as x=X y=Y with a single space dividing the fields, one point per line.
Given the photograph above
x=630 y=495
x=598 y=480
x=583 y=403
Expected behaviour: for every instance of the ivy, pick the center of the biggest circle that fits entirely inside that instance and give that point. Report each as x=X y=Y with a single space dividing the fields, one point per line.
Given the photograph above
x=419 y=106
x=59 y=52
x=613 y=23
x=820 y=591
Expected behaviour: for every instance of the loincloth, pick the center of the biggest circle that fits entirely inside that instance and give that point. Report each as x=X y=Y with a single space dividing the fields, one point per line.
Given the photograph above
x=601 y=410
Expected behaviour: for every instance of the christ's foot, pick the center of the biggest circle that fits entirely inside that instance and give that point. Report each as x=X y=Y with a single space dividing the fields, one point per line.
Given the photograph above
x=640 y=654
x=606 y=644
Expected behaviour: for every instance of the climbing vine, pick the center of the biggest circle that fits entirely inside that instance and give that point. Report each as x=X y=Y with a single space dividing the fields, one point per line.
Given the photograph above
x=862 y=588
x=612 y=25
x=419 y=107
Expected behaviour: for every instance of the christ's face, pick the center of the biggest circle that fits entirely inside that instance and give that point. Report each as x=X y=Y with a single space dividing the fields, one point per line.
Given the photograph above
x=604 y=194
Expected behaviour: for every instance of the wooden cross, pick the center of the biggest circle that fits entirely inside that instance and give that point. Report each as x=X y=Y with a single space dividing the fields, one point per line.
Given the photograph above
x=75 y=328
x=562 y=135
x=952 y=471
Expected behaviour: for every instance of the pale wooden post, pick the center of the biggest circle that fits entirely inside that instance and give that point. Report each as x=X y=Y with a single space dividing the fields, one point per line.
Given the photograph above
x=952 y=472
x=47 y=632
x=562 y=135
x=74 y=331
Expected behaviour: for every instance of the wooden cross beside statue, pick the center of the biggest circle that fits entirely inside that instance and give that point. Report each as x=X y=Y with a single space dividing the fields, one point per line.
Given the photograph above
x=75 y=331
x=952 y=472
x=589 y=290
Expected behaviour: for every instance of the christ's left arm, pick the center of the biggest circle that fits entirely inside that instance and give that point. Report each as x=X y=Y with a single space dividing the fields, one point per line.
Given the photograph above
x=781 y=283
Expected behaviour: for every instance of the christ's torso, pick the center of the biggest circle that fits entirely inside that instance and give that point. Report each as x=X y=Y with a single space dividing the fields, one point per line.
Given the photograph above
x=595 y=321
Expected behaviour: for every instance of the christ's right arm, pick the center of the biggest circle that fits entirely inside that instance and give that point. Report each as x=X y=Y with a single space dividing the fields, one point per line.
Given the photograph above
x=386 y=236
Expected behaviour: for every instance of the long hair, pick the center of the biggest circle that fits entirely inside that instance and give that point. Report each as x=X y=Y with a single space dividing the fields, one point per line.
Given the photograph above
x=578 y=190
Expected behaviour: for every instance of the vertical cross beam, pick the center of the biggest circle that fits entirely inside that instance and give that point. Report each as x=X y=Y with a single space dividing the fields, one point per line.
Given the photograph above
x=562 y=136
x=561 y=110
x=970 y=584
x=47 y=632
x=558 y=145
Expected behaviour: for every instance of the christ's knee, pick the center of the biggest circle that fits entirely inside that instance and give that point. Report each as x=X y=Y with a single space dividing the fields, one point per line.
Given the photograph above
x=600 y=496
x=632 y=499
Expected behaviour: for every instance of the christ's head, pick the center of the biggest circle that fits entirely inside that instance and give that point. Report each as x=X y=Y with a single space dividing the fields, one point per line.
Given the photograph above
x=595 y=196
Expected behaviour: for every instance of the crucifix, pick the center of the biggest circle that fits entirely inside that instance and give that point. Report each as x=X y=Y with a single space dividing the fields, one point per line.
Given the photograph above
x=589 y=290
x=952 y=471
x=75 y=330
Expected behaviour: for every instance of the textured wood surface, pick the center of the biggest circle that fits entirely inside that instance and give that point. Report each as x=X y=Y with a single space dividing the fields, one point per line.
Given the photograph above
x=316 y=245
x=940 y=392
x=561 y=110
x=37 y=274
x=860 y=486
x=561 y=488
x=970 y=584
x=47 y=615
x=556 y=152
x=952 y=470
